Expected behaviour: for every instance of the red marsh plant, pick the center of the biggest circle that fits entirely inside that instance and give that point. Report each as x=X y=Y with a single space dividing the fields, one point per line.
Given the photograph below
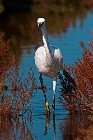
x=6 y=57
x=77 y=83
x=17 y=100
x=11 y=129
x=77 y=127
x=15 y=89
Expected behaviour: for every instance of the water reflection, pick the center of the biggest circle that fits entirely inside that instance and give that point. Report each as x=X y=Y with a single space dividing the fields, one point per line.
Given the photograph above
x=47 y=124
x=54 y=126
x=10 y=130
x=47 y=111
x=77 y=127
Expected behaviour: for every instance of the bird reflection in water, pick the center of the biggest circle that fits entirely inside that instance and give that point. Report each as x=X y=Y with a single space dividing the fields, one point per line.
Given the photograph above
x=47 y=110
x=48 y=123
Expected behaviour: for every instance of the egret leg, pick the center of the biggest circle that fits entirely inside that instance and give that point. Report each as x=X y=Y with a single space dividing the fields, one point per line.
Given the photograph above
x=54 y=126
x=42 y=85
x=53 y=101
x=54 y=90
x=46 y=101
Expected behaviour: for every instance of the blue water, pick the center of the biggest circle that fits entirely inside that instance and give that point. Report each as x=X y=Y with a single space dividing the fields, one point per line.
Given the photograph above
x=68 y=42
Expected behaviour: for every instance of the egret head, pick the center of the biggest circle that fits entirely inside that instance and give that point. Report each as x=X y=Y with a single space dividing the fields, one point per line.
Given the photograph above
x=40 y=22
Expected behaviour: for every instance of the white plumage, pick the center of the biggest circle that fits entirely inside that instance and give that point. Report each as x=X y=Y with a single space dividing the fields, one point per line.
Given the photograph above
x=48 y=62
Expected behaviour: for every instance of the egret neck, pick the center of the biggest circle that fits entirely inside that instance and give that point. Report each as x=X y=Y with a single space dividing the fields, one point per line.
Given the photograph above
x=46 y=43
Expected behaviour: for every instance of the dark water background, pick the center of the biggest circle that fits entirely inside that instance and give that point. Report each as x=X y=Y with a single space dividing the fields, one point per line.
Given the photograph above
x=66 y=33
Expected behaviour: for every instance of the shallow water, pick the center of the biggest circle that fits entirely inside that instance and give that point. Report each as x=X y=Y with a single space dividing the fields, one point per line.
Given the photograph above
x=42 y=127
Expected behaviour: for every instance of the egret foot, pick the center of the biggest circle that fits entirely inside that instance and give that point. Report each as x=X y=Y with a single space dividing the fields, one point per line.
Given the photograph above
x=47 y=108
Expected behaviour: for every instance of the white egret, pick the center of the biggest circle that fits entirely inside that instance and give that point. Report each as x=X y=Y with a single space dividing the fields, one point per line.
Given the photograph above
x=46 y=61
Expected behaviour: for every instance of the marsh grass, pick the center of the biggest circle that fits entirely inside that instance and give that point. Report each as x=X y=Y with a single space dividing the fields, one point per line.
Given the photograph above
x=15 y=89
x=16 y=101
x=77 y=83
x=11 y=129
x=77 y=127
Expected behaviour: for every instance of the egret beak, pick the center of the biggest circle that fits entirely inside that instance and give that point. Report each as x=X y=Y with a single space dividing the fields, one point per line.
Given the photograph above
x=39 y=26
